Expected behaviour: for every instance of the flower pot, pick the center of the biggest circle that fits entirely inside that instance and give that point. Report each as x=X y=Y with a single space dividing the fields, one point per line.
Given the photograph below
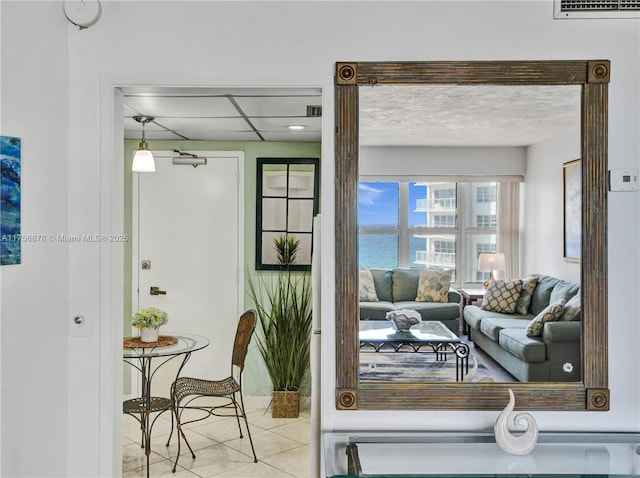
x=285 y=404
x=148 y=334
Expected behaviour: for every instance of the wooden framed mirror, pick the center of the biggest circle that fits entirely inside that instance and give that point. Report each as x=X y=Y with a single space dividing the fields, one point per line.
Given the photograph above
x=591 y=392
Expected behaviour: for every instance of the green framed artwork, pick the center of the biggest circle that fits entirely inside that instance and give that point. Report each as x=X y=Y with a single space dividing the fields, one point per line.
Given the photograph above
x=286 y=203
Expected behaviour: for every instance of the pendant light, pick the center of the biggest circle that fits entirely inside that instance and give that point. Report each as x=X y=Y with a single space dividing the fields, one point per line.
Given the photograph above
x=143 y=161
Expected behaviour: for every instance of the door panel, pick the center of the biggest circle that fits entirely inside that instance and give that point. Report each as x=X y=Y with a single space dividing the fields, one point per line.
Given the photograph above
x=189 y=231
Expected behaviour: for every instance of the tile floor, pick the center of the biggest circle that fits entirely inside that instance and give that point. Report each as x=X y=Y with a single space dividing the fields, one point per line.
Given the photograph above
x=282 y=446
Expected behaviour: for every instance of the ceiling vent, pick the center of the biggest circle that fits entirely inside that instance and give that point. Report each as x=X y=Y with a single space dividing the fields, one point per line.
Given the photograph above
x=596 y=9
x=314 y=111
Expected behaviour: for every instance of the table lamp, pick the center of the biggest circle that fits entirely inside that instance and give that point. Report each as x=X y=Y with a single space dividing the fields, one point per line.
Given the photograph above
x=489 y=262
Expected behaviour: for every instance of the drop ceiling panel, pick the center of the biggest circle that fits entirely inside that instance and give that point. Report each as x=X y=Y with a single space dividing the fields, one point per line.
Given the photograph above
x=200 y=125
x=280 y=124
x=290 y=106
x=181 y=106
x=299 y=136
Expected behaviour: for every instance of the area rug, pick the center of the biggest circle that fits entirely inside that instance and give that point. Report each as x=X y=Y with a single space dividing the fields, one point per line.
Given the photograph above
x=416 y=367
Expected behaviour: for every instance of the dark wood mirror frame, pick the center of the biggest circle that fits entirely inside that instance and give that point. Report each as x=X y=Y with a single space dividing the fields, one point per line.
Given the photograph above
x=592 y=392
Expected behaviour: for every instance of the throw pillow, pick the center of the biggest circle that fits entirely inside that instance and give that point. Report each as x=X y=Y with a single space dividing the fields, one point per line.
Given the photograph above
x=502 y=296
x=573 y=308
x=367 y=286
x=433 y=285
x=550 y=313
x=528 y=286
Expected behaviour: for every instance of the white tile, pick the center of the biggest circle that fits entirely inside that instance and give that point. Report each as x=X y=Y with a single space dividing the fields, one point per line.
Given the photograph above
x=214 y=460
x=161 y=469
x=295 y=461
x=254 y=470
x=265 y=443
x=299 y=430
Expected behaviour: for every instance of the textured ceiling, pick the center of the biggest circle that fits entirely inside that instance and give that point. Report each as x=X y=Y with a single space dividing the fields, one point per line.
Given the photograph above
x=469 y=115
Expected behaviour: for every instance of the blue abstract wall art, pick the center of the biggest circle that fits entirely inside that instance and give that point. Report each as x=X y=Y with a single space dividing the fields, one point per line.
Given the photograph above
x=10 y=251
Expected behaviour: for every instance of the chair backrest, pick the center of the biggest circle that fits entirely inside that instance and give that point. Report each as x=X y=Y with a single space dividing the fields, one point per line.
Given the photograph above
x=244 y=332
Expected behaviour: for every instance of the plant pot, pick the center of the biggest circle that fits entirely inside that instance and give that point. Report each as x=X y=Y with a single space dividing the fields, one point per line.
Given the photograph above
x=285 y=404
x=148 y=334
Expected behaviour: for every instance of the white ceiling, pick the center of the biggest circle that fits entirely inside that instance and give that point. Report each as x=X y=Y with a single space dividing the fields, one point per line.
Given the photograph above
x=222 y=114
x=466 y=115
x=416 y=115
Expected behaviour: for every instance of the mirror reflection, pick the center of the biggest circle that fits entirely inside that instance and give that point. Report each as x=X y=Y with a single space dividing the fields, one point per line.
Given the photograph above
x=461 y=214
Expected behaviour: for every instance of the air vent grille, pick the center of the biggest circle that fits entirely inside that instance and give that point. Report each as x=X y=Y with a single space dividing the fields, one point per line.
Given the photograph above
x=314 y=111
x=598 y=5
x=596 y=9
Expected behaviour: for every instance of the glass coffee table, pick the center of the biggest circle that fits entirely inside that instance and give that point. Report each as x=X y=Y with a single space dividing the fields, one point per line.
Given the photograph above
x=431 y=337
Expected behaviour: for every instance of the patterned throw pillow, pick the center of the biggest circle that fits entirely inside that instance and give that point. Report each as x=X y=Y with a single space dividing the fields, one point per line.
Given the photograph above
x=367 y=286
x=573 y=308
x=528 y=286
x=550 y=313
x=433 y=285
x=502 y=296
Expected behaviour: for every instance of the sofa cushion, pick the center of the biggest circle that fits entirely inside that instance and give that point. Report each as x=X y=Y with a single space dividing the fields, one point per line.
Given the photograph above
x=405 y=284
x=433 y=310
x=382 y=278
x=367 y=288
x=375 y=310
x=491 y=326
x=529 y=349
x=564 y=290
x=573 y=308
x=528 y=286
x=549 y=314
x=502 y=296
x=433 y=284
x=474 y=315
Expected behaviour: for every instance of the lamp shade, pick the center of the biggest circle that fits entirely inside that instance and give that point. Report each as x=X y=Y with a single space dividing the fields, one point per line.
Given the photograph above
x=491 y=261
x=143 y=162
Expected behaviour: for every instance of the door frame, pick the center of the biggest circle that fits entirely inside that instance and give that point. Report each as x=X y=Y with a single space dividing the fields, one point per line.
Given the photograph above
x=104 y=455
x=135 y=257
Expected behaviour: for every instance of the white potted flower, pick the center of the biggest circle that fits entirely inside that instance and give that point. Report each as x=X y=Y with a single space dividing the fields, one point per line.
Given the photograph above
x=148 y=321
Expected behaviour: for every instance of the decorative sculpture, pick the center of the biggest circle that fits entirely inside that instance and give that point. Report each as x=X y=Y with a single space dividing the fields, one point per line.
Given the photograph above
x=404 y=319
x=509 y=442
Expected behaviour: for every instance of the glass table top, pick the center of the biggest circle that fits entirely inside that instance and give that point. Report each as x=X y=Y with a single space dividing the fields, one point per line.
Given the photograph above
x=384 y=331
x=186 y=343
x=464 y=454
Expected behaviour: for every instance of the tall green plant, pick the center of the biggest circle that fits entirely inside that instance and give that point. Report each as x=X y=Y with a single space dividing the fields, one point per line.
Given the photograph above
x=284 y=305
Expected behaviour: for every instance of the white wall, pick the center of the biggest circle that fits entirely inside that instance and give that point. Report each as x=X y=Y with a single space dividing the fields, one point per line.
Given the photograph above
x=543 y=206
x=287 y=44
x=416 y=161
x=34 y=294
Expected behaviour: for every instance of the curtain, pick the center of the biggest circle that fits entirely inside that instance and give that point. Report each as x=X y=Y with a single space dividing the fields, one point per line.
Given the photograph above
x=508 y=240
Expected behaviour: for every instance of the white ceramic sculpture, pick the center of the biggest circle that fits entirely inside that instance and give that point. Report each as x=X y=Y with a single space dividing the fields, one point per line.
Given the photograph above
x=511 y=443
x=404 y=318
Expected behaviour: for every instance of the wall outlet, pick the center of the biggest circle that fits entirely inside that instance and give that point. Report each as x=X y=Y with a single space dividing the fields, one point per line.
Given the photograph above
x=80 y=319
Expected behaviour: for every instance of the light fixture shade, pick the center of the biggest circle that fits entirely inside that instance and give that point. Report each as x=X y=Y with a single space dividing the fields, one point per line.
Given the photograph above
x=143 y=162
x=491 y=261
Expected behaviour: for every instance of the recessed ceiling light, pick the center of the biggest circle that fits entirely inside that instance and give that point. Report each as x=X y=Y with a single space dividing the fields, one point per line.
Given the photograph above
x=296 y=127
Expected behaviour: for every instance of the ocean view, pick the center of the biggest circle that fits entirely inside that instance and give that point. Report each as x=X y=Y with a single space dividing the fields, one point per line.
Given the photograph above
x=381 y=250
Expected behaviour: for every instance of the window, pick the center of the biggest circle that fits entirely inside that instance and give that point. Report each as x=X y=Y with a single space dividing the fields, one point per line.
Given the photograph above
x=418 y=224
x=486 y=194
x=486 y=220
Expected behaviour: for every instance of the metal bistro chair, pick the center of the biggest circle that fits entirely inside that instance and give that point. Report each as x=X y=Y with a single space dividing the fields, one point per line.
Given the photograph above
x=186 y=390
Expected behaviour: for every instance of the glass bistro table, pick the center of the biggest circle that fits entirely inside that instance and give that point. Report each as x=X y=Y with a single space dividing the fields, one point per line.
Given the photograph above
x=140 y=355
x=429 y=337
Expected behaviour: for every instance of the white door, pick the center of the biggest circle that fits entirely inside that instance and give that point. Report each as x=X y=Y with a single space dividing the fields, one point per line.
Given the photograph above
x=188 y=228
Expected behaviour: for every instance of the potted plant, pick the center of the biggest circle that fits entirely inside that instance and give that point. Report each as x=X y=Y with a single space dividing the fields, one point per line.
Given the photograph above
x=284 y=305
x=148 y=321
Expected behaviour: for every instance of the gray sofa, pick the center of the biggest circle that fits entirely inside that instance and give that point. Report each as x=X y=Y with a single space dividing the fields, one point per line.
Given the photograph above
x=552 y=357
x=397 y=289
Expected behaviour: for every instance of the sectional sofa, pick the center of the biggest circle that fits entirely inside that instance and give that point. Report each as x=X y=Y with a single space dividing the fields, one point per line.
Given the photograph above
x=553 y=355
x=398 y=288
